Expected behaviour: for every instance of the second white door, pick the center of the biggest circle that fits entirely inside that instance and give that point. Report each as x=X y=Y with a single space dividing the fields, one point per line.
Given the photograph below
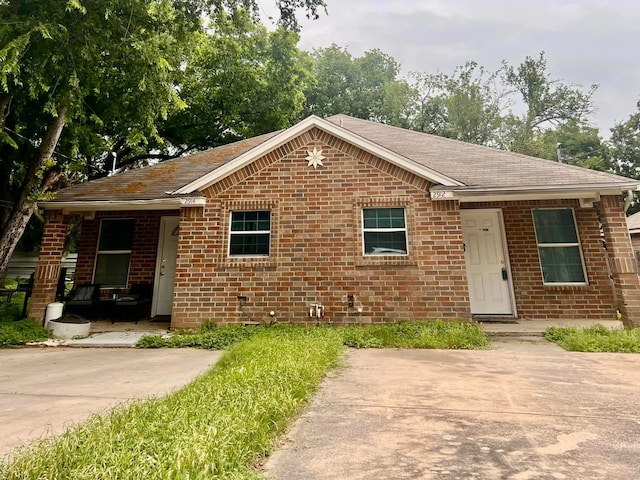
x=487 y=267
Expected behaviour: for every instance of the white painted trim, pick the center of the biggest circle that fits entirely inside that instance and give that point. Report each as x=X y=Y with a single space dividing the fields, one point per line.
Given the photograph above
x=119 y=205
x=300 y=128
x=586 y=193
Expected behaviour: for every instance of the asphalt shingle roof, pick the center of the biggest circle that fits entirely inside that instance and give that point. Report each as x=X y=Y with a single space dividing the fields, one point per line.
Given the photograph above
x=154 y=181
x=473 y=165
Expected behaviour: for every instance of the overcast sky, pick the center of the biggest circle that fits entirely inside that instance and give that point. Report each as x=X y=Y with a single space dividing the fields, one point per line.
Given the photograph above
x=586 y=41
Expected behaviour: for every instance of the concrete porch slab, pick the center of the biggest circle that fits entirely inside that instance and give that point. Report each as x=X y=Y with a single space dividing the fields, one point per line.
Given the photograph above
x=109 y=340
x=537 y=327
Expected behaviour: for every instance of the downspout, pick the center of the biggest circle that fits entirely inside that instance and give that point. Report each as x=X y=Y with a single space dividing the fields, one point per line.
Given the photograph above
x=628 y=200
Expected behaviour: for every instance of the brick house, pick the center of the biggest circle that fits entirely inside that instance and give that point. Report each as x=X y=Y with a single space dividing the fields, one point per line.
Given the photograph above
x=357 y=222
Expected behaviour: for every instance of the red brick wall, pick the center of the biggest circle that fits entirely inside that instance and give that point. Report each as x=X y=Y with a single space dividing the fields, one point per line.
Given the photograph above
x=144 y=248
x=316 y=247
x=48 y=268
x=535 y=300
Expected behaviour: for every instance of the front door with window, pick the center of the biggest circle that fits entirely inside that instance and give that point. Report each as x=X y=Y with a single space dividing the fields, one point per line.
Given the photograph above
x=487 y=267
x=166 y=266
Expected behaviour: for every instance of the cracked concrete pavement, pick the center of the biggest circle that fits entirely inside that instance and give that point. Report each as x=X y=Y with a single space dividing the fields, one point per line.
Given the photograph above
x=525 y=410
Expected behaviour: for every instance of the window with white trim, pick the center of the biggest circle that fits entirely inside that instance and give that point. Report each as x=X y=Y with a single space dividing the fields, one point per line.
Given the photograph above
x=559 y=246
x=114 y=252
x=384 y=231
x=250 y=233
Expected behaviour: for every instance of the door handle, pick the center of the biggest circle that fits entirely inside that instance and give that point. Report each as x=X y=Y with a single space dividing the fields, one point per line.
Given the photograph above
x=505 y=277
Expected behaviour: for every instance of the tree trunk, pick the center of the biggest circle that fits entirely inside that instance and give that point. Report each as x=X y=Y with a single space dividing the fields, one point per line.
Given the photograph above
x=13 y=228
x=12 y=232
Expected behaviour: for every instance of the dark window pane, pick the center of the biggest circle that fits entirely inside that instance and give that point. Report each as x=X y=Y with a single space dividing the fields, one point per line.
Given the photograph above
x=112 y=269
x=250 y=221
x=116 y=234
x=249 y=244
x=383 y=218
x=385 y=243
x=555 y=226
x=561 y=264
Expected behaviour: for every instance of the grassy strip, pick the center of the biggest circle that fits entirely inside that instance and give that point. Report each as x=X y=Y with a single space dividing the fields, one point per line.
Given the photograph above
x=209 y=337
x=434 y=334
x=595 y=339
x=20 y=332
x=216 y=427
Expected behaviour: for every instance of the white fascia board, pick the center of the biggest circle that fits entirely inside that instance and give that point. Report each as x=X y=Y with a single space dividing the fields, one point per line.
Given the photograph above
x=121 y=205
x=589 y=193
x=300 y=128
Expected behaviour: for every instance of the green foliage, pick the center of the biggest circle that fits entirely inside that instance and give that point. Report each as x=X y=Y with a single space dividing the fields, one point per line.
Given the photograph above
x=431 y=334
x=19 y=332
x=217 y=427
x=464 y=105
x=207 y=337
x=238 y=81
x=595 y=339
x=365 y=87
x=548 y=103
x=625 y=145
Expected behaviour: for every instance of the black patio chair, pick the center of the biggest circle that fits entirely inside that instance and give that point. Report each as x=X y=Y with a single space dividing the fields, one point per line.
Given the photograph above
x=83 y=299
x=136 y=304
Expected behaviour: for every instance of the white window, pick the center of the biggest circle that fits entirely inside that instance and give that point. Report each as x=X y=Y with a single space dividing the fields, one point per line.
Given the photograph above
x=114 y=253
x=384 y=231
x=559 y=246
x=250 y=234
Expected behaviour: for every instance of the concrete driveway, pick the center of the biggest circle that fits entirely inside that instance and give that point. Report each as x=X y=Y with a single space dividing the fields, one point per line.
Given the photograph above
x=44 y=390
x=525 y=410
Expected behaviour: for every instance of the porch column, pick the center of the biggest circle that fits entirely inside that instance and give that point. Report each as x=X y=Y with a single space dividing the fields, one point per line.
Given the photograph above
x=49 y=261
x=624 y=267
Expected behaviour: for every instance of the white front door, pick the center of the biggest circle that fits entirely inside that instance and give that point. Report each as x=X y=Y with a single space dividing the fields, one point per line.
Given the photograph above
x=487 y=267
x=165 y=266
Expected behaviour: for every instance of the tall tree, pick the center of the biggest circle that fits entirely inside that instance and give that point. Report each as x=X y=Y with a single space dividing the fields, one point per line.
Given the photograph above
x=365 y=87
x=86 y=64
x=465 y=105
x=239 y=81
x=548 y=103
x=625 y=146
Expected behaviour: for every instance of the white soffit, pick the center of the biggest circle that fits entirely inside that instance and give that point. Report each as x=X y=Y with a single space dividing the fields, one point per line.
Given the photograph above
x=586 y=193
x=300 y=128
x=118 y=205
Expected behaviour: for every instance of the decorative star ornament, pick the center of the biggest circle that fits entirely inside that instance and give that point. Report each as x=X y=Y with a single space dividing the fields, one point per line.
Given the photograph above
x=315 y=158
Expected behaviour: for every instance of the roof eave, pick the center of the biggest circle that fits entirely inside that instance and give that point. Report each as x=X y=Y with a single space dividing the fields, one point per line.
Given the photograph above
x=300 y=128
x=585 y=193
x=120 y=205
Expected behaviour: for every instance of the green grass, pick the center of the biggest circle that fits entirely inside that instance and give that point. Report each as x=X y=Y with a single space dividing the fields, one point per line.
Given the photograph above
x=209 y=336
x=21 y=332
x=595 y=339
x=432 y=334
x=217 y=427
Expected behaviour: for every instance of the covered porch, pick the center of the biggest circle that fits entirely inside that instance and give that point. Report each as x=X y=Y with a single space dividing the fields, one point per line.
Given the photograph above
x=128 y=255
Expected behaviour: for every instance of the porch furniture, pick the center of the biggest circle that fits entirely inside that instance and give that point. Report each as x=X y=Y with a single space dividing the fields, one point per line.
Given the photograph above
x=135 y=304
x=27 y=288
x=7 y=292
x=83 y=299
